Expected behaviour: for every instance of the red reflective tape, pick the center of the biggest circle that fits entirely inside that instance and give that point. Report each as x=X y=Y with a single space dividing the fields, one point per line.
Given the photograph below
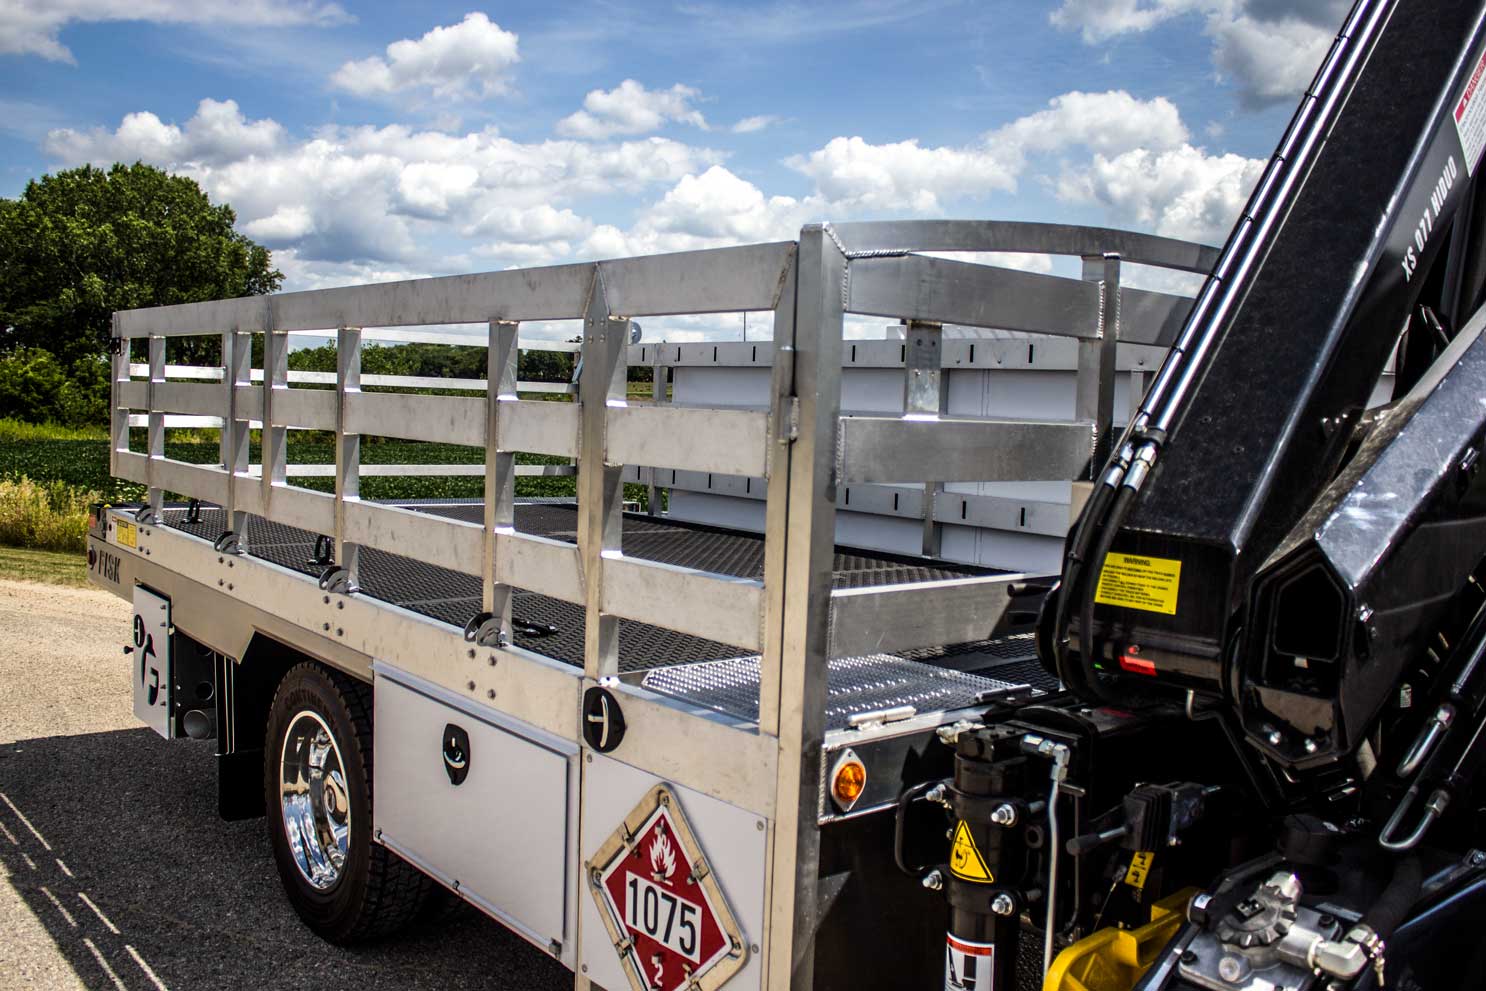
x=971 y=949
x=1137 y=665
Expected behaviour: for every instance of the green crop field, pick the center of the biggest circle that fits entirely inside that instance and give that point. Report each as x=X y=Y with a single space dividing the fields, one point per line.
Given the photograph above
x=81 y=461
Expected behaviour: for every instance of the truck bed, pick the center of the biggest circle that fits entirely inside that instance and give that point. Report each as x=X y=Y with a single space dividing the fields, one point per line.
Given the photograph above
x=702 y=672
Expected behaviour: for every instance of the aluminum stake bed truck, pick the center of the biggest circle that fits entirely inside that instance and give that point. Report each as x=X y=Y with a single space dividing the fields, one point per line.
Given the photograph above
x=790 y=732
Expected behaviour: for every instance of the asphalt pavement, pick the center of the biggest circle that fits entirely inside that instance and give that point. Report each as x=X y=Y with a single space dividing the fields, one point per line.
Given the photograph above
x=117 y=875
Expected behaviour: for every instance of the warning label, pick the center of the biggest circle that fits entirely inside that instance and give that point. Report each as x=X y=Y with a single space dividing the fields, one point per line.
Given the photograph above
x=1140 y=869
x=968 y=966
x=1148 y=583
x=1470 y=117
x=965 y=860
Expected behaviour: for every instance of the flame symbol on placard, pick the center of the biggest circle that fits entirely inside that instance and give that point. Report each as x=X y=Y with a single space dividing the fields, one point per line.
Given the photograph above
x=662 y=857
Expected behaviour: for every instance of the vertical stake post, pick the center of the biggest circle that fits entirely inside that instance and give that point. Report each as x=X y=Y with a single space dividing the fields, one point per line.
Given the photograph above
x=238 y=362
x=119 y=413
x=500 y=468
x=658 y=375
x=1094 y=392
x=600 y=487
x=804 y=639
x=926 y=394
x=347 y=447
x=275 y=379
x=156 y=495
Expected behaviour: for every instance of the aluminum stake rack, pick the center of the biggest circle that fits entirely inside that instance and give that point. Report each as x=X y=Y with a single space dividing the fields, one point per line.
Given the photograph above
x=600 y=660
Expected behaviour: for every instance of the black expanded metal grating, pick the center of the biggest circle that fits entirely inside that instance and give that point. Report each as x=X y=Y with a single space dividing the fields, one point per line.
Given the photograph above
x=454 y=598
x=855 y=685
x=705 y=548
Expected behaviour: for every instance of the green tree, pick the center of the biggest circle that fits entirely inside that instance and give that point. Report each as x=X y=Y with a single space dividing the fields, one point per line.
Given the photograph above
x=80 y=244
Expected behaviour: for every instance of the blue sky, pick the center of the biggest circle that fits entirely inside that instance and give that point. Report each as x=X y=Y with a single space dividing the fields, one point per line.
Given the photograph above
x=365 y=143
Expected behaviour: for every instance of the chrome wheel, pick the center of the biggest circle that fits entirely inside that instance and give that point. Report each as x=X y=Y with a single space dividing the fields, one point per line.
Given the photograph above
x=314 y=800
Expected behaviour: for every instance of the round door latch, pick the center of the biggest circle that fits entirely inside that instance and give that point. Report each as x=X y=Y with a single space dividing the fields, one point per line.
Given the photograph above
x=456 y=754
x=603 y=721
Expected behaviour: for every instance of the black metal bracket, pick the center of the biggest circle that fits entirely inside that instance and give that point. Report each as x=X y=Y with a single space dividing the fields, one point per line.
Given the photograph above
x=484 y=629
x=338 y=580
x=324 y=550
x=193 y=511
x=526 y=628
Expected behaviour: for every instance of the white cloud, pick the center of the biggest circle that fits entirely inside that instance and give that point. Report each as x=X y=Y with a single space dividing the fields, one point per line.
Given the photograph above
x=903 y=175
x=1270 y=48
x=855 y=175
x=713 y=209
x=748 y=125
x=1181 y=192
x=33 y=27
x=630 y=108
x=218 y=132
x=1108 y=122
x=389 y=197
x=1273 y=60
x=1099 y=20
x=472 y=58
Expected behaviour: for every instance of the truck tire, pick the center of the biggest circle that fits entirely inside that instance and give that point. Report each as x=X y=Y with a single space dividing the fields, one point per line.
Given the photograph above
x=318 y=793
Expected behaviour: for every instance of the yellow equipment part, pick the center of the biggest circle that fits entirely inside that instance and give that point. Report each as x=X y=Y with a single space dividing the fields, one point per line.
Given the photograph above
x=1114 y=959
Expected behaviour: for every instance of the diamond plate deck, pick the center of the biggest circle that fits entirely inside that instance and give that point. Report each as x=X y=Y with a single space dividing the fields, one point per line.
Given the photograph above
x=855 y=685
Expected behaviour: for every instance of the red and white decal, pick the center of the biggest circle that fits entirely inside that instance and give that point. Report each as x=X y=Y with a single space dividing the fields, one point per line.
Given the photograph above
x=651 y=894
x=968 y=966
x=1470 y=117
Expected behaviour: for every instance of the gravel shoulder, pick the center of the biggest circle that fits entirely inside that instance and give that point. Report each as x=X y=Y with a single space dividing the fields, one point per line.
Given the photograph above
x=115 y=872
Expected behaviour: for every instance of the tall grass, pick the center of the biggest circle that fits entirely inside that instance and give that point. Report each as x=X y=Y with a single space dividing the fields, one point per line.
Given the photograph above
x=16 y=432
x=46 y=515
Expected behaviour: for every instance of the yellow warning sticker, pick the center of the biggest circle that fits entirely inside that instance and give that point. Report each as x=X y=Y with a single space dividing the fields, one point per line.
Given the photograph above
x=1148 y=583
x=127 y=534
x=1140 y=869
x=965 y=860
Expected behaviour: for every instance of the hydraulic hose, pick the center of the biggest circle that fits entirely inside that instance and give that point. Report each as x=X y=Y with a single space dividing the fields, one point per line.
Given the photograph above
x=1393 y=905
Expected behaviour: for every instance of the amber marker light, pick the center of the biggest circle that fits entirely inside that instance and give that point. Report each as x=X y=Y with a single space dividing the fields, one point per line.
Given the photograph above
x=848 y=780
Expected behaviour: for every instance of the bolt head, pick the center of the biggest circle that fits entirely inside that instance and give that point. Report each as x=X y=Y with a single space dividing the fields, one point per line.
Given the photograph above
x=1003 y=904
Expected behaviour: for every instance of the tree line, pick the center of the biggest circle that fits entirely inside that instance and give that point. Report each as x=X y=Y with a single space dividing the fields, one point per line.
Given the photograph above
x=78 y=245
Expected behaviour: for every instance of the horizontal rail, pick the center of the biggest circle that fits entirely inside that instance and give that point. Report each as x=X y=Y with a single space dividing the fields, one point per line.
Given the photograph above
x=435 y=540
x=539 y=564
x=310 y=409
x=906 y=501
x=538 y=427
x=436 y=419
x=895 y=449
x=729 y=442
x=418 y=471
x=132 y=466
x=926 y=614
x=213 y=374
x=944 y=291
x=1026 y=238
x=700 y=603
x=205 y=482
x=718 y=280
x=188 y=398
x=290 y=505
